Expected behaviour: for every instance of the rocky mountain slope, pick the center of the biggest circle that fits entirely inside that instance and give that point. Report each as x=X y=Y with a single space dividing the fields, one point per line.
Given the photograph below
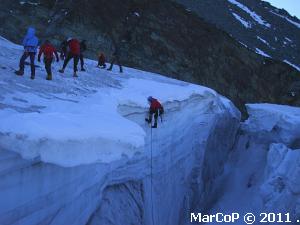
x=255 y=23
x=158 y=36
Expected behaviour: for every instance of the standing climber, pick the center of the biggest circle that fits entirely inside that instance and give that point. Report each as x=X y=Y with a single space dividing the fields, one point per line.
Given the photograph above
x=130 y=23
x=155 y=109
x=101 y=61
x=48 y=50
x=82 y=49
x=63 y=49
x=116 y=59
x=30 y=44
x=73 y=53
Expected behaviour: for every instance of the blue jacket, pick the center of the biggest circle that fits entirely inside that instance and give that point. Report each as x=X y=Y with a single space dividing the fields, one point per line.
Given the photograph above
x=30 y=41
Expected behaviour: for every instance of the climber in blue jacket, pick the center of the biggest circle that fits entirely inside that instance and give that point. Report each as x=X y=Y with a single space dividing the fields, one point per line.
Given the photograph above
x=30 y=44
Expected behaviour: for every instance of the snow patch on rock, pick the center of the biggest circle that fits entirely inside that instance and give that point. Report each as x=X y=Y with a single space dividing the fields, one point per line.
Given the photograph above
x=291 y=64
x=242 y=21
x=261 y=52
x=287 y=19
x=251 y=13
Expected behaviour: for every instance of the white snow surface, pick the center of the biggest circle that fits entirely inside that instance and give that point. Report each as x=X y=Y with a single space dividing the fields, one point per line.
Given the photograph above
x=269 y=117
x=263 y=40
x=251 y=13
x=261 y=52
x=288 y=39
x=76 y=151
x=291 y=64
x=242 y=20
x=29 y=2
x=63 y=120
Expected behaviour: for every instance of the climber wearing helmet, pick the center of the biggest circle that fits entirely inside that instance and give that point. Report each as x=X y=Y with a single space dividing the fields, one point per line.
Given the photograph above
x=155 y=109
x=73 y=53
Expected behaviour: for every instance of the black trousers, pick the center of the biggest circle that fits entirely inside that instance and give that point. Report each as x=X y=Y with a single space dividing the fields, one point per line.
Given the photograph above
x=81 y=61
x=100 y=63
x=22 y=62
x=115 y=60
x=48 y=63
x=68 y=58
x=155 y=113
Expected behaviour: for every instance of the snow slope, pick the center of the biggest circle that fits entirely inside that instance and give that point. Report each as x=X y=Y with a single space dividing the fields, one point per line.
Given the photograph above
x=68 y=115
x=76 y=151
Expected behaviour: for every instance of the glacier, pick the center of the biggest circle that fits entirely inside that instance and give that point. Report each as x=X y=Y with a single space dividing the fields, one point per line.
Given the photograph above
x=261 y=174
x=78 y=151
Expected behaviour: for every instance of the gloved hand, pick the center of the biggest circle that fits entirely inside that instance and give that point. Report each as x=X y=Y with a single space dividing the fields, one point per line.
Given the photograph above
x=147 y=120
x=39 y=60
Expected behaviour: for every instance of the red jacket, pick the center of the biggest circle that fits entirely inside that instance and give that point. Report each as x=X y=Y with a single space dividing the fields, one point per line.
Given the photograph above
x=48 y=50
x=155 y=105
x=74 y=47
x=101 y=58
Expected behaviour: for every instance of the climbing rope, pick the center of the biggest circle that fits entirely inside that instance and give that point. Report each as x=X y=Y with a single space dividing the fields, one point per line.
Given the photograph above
x=151 y=178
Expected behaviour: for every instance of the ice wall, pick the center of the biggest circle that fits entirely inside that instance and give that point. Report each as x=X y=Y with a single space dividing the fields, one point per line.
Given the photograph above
x=262 y=172
x=189 y=150
x=279 y=128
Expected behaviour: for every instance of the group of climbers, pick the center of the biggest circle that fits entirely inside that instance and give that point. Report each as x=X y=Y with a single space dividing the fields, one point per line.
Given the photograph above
x=73 y=49
x=69 y=49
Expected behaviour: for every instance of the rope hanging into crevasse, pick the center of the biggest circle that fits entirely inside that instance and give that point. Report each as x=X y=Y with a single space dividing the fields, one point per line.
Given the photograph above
x=151 y=179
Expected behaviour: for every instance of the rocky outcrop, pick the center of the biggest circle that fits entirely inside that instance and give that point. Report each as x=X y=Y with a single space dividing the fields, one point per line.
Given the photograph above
x=255 y=23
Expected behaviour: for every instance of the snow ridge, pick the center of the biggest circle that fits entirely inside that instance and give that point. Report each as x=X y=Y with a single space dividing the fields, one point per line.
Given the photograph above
x=254 y=16
x=242 y=21
x=260 y=52
x=291 y=64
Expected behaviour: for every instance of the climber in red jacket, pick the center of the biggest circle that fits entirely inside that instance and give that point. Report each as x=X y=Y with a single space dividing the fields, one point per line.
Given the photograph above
x=155 y=109
x=101 y=61
x=48 y=50
x=73 y=53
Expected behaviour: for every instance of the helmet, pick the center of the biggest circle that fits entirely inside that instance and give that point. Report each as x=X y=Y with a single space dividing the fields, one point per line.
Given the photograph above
x=149 y=98
x=69 y=39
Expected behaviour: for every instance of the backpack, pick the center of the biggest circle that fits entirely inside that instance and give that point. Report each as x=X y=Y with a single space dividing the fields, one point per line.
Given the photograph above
x=48 y=51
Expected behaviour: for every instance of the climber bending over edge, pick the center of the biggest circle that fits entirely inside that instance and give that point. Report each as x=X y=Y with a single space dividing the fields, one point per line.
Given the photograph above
x=155 y=109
